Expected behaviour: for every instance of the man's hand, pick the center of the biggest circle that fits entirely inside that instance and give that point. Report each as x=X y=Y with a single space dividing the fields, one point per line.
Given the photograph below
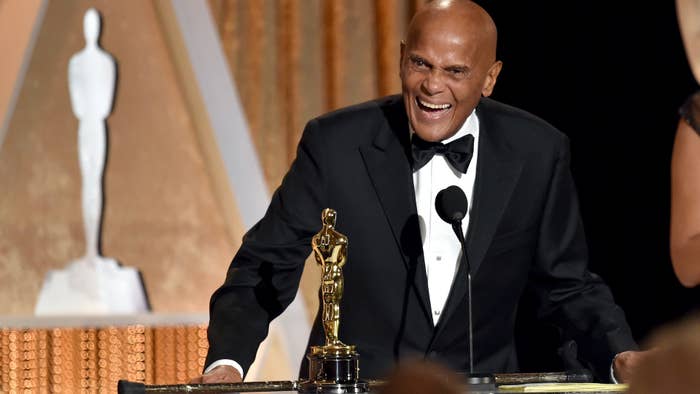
x=626 y=362
x=220 y=374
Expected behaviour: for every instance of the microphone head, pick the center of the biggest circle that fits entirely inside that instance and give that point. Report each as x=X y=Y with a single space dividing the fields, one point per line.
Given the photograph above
x=451 y=204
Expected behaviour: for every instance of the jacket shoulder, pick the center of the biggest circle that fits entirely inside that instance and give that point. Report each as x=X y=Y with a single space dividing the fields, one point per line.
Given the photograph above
x=362 y=111
x=359 y=123
x=522 y=128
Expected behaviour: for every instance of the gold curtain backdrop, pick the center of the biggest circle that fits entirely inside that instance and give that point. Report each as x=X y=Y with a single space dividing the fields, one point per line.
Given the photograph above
x=94 y=359
x=293 y=60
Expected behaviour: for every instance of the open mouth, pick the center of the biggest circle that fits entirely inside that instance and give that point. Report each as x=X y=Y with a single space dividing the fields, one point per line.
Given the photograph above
x=432 y=108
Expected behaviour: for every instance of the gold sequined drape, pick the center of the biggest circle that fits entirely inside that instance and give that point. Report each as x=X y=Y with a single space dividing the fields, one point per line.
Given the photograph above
x=93 y=360
x=296 y=59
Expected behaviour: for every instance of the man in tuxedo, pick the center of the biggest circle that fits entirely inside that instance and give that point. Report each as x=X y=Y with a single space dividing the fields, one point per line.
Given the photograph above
x=379 y=165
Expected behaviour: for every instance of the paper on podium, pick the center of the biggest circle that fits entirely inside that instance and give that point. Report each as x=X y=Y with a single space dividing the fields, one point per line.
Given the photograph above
x=563 y=387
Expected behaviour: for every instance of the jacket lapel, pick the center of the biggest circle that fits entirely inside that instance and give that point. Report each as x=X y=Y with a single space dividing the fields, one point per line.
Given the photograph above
x=389 y=168
x=498 y=171
x=497 y=175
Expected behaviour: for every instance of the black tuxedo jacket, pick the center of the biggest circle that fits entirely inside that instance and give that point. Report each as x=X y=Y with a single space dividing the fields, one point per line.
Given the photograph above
x=525 y=230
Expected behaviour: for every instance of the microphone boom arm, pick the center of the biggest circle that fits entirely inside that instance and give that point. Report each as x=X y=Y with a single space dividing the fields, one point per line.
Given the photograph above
x=457 y=227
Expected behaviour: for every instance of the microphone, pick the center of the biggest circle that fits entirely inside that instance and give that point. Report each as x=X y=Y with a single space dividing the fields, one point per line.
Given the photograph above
x=451 y=205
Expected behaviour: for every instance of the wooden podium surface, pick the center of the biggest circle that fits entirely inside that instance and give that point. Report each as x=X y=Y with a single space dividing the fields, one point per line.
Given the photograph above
x=91 y=354
x=571 y=382
x=278 y=387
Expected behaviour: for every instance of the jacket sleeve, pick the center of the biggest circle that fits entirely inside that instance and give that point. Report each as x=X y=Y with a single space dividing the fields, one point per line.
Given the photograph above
x=571 y=297
x=264 y=275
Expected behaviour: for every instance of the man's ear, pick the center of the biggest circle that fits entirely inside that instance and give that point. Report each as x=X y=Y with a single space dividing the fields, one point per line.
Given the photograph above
x=491 y=77
x=402 y=53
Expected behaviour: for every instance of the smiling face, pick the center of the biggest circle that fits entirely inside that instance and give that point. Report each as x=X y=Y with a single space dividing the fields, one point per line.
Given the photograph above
x=447 y=64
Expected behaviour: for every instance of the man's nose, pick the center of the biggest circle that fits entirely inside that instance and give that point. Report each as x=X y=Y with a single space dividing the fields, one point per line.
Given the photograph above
x=434 y=82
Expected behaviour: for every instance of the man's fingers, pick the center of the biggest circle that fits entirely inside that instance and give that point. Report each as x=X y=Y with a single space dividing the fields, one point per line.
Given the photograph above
x=220 y=374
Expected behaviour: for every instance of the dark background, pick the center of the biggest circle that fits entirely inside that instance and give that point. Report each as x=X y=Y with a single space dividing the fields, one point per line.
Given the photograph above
x=610 y=75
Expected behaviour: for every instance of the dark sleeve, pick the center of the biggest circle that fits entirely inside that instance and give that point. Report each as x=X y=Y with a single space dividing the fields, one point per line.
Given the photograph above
x=264 y=275
x=690 y=111
x=571 y=297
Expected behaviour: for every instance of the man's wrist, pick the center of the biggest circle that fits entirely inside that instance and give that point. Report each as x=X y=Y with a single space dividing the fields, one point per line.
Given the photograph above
x=612 y=370
x=225 y=361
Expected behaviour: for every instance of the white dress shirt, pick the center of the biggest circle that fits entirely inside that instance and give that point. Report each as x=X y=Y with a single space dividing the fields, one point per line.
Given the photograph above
x=441 y=248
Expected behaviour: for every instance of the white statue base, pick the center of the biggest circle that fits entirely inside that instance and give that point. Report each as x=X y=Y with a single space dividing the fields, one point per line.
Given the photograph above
x=92 y=286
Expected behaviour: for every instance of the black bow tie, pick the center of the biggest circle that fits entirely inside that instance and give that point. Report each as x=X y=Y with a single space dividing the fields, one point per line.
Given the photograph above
x=458 y=152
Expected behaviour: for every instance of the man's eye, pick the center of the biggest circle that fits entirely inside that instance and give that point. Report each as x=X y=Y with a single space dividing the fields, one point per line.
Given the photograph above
x=418 y=62
x=457 y=73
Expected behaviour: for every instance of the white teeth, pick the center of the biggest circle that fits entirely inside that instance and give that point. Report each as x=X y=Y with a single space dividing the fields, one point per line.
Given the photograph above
x=434 y=106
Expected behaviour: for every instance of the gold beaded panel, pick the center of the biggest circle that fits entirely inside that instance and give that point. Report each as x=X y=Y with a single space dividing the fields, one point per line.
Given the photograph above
x=92 y=360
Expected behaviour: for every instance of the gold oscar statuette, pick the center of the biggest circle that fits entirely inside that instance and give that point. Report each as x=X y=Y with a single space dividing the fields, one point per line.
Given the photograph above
x=333 y=367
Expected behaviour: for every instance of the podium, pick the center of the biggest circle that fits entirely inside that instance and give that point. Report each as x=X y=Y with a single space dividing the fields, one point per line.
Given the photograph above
x=376 y=386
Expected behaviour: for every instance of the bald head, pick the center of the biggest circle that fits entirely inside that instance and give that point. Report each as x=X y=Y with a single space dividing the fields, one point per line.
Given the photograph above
x=462 y=17
x=448 y=62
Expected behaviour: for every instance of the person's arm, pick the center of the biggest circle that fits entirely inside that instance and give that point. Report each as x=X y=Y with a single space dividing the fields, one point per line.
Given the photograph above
x=263 y=277
x=571 y=297
x=685 y=205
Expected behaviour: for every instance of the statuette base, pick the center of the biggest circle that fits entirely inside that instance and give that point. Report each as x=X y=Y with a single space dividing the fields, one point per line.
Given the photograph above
x=333 y=369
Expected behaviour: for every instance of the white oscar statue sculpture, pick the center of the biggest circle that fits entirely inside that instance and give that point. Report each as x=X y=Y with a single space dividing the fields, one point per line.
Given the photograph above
x=93 y=284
